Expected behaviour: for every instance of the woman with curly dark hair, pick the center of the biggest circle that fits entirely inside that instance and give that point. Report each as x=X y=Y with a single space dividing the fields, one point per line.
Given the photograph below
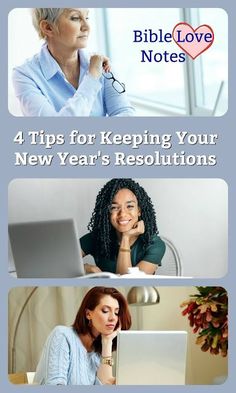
x=82 y=354
x=123 y=230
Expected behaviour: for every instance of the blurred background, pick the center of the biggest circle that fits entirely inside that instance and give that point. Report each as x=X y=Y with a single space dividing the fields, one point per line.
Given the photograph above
x=51 y=306
x=191 y=213
x=191 y=88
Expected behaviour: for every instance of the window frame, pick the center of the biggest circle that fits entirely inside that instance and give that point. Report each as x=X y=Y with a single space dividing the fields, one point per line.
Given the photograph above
x=192 y=73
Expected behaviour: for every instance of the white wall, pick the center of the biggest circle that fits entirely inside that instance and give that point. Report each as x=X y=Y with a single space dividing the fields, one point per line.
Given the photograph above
x=192 y=213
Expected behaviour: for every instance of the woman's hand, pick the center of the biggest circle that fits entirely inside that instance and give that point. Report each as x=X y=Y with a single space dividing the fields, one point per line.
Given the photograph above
x=98 y=65
x=127 y=239
x=108 y=338
x=138 y=229
x=111 y=381
x=104 y=372
x=91 y=268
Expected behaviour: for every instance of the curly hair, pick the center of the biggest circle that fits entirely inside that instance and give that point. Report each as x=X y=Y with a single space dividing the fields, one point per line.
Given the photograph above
x=105 y=239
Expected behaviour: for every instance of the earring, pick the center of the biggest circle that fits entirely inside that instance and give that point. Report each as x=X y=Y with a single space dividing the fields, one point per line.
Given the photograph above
x=90 y=322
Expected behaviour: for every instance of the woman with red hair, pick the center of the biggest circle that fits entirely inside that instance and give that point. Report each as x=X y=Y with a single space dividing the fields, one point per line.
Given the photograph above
x=82 y=354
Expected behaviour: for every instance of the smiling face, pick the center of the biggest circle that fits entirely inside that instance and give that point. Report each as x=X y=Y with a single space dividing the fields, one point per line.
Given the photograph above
x=124 y=211
x=72 y=29
x=105 y=316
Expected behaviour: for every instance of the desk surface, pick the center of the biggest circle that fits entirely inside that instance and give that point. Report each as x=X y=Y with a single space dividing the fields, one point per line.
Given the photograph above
x=112 y=275
x=18 y=378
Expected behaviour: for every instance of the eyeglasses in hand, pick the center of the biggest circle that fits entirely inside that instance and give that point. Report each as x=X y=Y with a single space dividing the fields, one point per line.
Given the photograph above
x=118 y=86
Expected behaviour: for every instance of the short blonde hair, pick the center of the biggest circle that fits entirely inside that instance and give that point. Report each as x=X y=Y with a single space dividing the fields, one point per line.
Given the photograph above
x=50 y=14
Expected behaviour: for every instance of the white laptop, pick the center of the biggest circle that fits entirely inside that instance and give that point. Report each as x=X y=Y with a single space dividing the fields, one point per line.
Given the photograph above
x=151 y=357
x=48 y=249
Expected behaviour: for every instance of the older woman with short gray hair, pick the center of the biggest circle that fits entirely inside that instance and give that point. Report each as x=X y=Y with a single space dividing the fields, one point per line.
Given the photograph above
x=63 y=79
x=50 y=14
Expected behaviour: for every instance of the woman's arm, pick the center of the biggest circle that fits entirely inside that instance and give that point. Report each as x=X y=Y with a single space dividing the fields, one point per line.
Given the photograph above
x=104 y=372
x=87 y=243
x=40 y=93
x=124 y=253
x=34 y=103
x=125 y=262
x=116 y=104
x=147 y=267
x=90 y=268
x=55 y=360
x=151 y=258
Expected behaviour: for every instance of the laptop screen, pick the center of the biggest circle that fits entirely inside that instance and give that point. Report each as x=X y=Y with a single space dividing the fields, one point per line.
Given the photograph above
x=151 y=358
x=45 y=249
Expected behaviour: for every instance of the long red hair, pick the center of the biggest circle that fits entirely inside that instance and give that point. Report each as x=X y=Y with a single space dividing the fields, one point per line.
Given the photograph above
x=90 y=302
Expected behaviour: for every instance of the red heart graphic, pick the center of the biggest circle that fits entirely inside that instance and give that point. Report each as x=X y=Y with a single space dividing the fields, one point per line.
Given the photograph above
x=193 y=42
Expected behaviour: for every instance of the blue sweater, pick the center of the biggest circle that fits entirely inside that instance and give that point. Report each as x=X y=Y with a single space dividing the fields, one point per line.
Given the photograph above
x=65 y=361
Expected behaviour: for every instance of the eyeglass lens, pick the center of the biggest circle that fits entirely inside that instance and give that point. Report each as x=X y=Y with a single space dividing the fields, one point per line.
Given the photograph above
x=118 y=86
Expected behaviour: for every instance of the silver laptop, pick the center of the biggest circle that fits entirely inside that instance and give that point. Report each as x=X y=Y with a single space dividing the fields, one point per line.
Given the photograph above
x=151 y=357
x=46 y=249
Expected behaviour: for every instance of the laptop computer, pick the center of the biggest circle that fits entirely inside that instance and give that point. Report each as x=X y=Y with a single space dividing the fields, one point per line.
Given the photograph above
x=151 y=357
x=48 y=249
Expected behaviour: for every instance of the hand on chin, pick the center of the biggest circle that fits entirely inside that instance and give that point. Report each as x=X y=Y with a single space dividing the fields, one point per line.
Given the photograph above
x=135 y=230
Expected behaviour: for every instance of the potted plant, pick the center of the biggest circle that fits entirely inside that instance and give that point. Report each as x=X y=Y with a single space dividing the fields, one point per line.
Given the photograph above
x=208 y=316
